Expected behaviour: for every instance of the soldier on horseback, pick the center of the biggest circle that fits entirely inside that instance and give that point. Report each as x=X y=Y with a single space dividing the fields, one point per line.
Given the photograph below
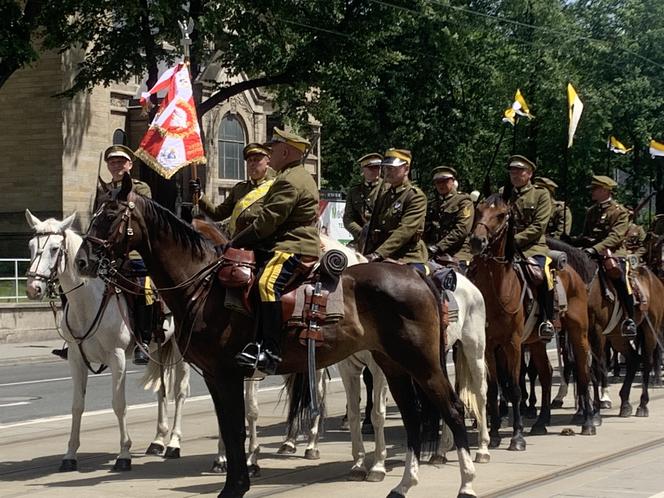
x=245 y=200
x=604 y=230
x=285 y=237
x=397 y=222
x=449 y=219
x=362 y=196
x=561 y=217
x=531 y=210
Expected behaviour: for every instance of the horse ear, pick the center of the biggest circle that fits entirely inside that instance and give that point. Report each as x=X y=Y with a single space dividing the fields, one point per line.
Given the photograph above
x=127 y=185
x=507 y=191
x=33 y=221
x=67 y=222
x=103 y=186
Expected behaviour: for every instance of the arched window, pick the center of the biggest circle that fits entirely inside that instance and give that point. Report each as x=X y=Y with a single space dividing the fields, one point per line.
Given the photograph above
x=231 y=142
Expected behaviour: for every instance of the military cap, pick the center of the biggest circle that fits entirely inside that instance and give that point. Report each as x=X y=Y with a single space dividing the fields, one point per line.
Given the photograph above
x=255 y=148
x=118 y=151
x=291 y=139
x=443 y=173
x=521 y=162
x=372 y=159
x=603 y=181
x=397 y=157
x=545 y=182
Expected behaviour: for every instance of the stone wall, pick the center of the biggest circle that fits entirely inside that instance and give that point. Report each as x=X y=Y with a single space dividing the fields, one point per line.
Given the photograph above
x=26 y=322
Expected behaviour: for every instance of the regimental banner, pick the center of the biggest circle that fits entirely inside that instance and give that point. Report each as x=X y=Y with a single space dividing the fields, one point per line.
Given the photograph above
x=575 y=109
x=616 y=146
x=173 y=139
x=656 y=149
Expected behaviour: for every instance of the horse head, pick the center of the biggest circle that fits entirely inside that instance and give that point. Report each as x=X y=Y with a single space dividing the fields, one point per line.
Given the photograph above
x=115 y=229
x=48 y=255
x=491 y=223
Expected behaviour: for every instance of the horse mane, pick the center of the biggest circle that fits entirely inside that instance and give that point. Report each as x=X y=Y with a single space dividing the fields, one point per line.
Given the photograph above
x=576 y=258
x=73 y=242
x=157 y=216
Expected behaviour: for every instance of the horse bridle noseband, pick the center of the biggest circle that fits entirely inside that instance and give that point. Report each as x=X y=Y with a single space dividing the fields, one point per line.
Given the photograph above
x=494 y=236
x=51 y=280
x=105 y=246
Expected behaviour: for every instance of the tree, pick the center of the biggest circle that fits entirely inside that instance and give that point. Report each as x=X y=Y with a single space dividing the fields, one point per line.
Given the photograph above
x=18 y=22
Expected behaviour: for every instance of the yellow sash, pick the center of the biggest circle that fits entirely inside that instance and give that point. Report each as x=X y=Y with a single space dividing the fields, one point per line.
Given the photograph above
x=255 y=195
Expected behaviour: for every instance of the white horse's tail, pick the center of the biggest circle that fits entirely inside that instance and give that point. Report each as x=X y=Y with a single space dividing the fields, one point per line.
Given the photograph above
x=171 y=359
x=464 y=379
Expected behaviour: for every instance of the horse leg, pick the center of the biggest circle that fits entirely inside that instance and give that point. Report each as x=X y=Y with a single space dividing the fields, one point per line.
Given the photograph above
x=605 y=398
x=367 y=377
x=531 y=406
x=522 y=381
x=229 y=405
x=158 y=444
x=219 y=465
x=492 y=401
x=580 y=349
x=312 y=452
x=510 y=385
x=117 y=365
x=541 y=363
x=79 y=375
x=564 y=371
x=632 y=363
x=657 y=363
x=378 y=415
x=181 y=382
x=647 y=353
x=251 y=405
x=350 y=372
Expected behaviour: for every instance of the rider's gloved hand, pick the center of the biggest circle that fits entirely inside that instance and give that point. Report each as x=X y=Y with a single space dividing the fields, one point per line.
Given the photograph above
x=374 y=257
x=195 y=187
x=433 y=250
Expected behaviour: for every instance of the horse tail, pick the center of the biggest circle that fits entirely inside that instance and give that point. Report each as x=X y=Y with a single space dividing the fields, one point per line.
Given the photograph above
x=170 y=356
x=300 y=418
x=464 y=380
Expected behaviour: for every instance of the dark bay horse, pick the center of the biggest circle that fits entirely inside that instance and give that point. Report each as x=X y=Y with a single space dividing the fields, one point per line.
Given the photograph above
x=605 y=318
x=492 y=271
x=388 y=309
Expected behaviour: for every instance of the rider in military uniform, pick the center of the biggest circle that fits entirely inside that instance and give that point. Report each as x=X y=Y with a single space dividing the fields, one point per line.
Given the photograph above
x=362 y=197
x=449 y=218
x=397 y=222
x=285 y=236
x=531 y=210
x=245 y=200
x=561 y=217
x=635 y=239
x=119 y=161
x=605 y=228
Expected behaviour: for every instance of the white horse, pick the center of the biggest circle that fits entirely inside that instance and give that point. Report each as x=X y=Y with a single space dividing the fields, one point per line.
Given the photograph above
x=93 y=325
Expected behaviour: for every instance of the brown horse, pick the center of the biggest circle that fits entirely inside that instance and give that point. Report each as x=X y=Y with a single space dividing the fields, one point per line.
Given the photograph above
x=492 y=271
x=388 y=309
x=606 y=317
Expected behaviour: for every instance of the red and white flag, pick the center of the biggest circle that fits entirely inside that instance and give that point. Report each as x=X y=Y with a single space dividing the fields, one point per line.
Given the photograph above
x=173 y=139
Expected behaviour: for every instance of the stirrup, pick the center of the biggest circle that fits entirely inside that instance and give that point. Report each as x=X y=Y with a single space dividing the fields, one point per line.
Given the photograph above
x=546 y=330
x=61 y=353
x=628 y=328
x=248 y=357
x=268 y=362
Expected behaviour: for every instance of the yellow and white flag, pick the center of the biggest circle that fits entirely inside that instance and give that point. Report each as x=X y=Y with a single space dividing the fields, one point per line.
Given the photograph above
x=519 y=108
x=616 y=146
x=656 y=149
x=575 y=110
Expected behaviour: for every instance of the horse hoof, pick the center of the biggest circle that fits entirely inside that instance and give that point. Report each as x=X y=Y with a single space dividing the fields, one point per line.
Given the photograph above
x=172 y=452
x=605 y=405
x=437 y=460
x=254 y=470
x=557 y=403
x=68 y=465
x=311 y=454
x=218 y=468
x=588 y=430
x=375 y=476
x=642 y=411
x=538 y=430
x=482 y=457
x=286 y=449
x=626 y=410
x=577 y=419
x=367 y=429
x=494 y=441
x=394 y=494
x=597 y=420
x=155 y=449
x=122 y=465
x=233 y=492
x=357 y=474
x=517 y=444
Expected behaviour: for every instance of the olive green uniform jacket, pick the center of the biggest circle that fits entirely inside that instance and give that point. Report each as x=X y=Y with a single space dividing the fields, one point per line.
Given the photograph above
x=635 y=239
x=449 y=222
x=531 y=210
x=397 y=224
x=359 y=206
x=559 y=223
x=605 y=227
x=239 y=190
x=140 y=188
x=287 y=222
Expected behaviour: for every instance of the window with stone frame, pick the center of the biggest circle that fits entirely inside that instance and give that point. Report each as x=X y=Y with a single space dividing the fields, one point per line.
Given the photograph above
x=230 y=142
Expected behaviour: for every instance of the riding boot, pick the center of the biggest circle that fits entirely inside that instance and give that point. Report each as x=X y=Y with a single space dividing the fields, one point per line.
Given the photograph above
x=269 y=356
x=546 y=329
x=61 y=353
x=628 y=327
x=143 y=323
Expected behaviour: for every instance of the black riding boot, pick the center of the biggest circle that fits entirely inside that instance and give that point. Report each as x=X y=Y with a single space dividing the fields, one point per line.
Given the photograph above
x=628 y=327
x=546 y=330
x=266 y=356
x=62 y=353
x=143 y=324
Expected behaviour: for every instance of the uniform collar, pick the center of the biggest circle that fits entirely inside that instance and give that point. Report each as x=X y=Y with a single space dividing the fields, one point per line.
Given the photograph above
x=401 y=188
x=290 y=165
x=605 y=204
x=370 y=184
x=449 y=195
x=524 y=189
x=259 y=182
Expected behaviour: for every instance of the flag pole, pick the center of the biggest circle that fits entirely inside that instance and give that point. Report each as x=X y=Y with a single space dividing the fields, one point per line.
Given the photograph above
x=608 y=156
x=186 y=28
x=487 y=176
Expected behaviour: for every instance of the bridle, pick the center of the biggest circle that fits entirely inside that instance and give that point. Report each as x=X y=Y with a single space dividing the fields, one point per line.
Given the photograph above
x=50 y=280
x=494 y=236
